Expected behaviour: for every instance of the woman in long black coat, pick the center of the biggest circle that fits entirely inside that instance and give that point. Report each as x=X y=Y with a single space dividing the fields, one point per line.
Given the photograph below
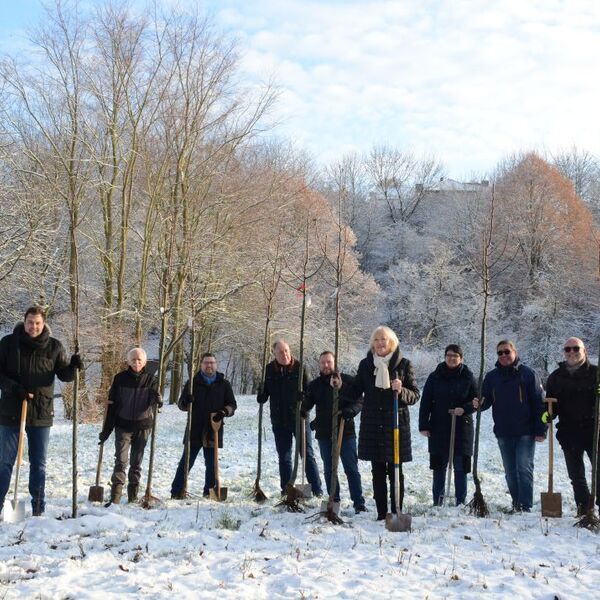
x=451 y=387
x=383 y=370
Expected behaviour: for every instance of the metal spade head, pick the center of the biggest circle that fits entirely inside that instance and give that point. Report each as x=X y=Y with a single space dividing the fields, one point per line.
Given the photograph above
x=399 y=522
x=14 y=511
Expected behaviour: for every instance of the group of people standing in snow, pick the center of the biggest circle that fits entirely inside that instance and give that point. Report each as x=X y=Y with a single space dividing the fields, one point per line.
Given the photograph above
x=30 y=359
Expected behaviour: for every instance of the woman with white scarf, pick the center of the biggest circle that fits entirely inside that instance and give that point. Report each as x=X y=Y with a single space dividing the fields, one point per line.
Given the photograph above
x=382 y=371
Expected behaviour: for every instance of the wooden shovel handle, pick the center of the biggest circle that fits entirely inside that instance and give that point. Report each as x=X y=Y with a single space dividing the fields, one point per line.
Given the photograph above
x=22 y=431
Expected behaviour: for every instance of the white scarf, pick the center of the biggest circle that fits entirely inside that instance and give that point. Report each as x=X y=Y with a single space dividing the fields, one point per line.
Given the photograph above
x=382 y=375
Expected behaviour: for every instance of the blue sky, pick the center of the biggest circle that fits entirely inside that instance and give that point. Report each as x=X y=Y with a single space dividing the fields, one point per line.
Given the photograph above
x=469 y=81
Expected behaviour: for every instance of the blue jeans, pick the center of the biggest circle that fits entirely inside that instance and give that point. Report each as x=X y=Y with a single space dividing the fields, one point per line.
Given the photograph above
x=349 y=458
x=460 y=481
x=37 y=441
x=283 y=444
x=517 y=456
x=209 y=471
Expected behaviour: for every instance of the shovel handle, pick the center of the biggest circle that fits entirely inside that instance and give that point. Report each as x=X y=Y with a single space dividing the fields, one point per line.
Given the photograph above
x=22 y=431
x=215 y=427
x=550 y=402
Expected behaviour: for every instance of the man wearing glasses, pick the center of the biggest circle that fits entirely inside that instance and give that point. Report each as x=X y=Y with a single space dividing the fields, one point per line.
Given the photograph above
x=514 y=392
x=573 y=385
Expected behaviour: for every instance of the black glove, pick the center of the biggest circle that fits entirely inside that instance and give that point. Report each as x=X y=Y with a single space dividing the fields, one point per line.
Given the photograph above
x=21 y=393
x=299 y=397
x=155 y=398
x=303 y=413
x=218 y=416
x=76 y=362
x=187 y=399
x=103 y=436
x=261 y=397
x=347 y=413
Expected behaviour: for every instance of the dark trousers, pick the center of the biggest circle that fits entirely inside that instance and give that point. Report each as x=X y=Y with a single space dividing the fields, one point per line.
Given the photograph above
x=382 y=471
x=460 y=480
x=283 y=443
x=349 y=458
x=209 y=470
x=37 y=442
x=576 y=470
x=129 y=447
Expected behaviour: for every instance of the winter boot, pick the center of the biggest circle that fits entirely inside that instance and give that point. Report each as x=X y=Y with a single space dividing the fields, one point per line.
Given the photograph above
x=116 y=491
x=132 y=492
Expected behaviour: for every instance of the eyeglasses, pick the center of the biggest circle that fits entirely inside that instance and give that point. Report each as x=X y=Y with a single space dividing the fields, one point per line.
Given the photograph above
x=503 y=352
x=571 y=349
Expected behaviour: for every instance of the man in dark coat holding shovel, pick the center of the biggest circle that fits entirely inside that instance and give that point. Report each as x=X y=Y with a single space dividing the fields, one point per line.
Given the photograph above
x=30 y=359
x=281 y=389
x=131 y=400
x=212 y=393
x=573 y=384
x=320 y=395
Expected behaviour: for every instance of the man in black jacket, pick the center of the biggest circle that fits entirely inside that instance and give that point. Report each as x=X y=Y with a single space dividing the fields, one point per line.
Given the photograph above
x=320 y=395
x=30 y=359
x=131 y=400
x=573 y=384
x=281 y=388
x=212 y=395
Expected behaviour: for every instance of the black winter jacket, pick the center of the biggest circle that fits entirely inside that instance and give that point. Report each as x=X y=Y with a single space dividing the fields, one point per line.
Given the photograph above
x=208 y=398
x=446 y=389
x=281 y=387
x=576 y=395
x=31 y=364
x=320 y=394
x=131 y=398
x=376 y=440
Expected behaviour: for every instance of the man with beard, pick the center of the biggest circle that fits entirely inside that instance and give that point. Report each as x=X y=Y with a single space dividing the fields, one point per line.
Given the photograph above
x=320 y=395
x=573 y=384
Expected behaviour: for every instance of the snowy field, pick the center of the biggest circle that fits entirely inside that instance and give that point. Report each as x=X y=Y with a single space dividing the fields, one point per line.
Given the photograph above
x=238 y=549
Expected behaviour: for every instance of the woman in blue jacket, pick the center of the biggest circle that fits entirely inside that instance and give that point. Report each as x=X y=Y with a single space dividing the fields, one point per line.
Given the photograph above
x=451 y=387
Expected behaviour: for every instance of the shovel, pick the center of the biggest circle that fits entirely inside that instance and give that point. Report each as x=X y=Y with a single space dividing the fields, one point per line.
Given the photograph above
x=330 y=507
x=96 y=493
x=447 y=496
x=14 y=511
x=551 y=501
x=398 y=521
x=304 y=488
x=217 y=493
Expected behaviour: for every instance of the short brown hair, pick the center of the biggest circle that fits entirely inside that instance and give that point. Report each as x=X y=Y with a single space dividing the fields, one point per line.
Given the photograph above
x=35 y=310
x=506 y=343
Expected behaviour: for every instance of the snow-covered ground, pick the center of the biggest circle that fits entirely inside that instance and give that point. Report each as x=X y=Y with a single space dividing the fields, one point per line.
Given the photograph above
x=238 y=549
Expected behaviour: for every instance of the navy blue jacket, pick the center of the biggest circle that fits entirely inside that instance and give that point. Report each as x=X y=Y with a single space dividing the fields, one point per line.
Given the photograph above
x=515 y=394
x=445 y=389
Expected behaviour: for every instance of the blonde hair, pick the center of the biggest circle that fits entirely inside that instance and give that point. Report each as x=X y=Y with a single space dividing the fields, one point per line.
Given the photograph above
x=393 y=341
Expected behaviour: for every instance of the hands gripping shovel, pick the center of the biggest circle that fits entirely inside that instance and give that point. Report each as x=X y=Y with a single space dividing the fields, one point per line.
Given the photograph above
x=398 y=521
x=14 y=510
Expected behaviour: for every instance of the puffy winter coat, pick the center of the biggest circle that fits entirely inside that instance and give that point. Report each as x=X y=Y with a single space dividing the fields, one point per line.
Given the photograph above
x=376 y=439
x=131 y=397
x=31 y=364
x=515 y=395
x=576 y=395
x=208 y=398
x=320 y=394
x=281 y=388
x=446 y=389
